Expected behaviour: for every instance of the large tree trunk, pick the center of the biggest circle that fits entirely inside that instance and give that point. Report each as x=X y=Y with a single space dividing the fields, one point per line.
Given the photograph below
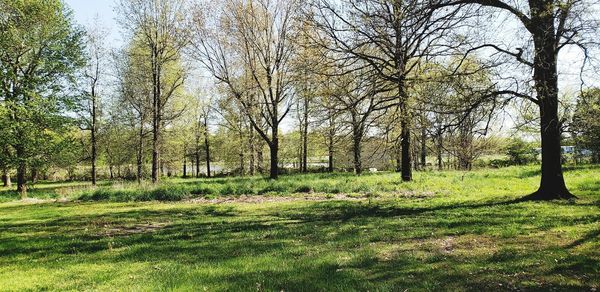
x=552 y=185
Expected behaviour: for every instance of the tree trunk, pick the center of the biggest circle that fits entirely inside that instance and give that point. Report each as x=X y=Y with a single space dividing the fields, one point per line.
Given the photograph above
x=34 y=175
x=6 y=178
x=440 y=141
x=252 y=142
x=330 y=155
x=197 y=161
x=356 y=148
x=93 y=136
x=261 y=159
x=305 y=139
x=207 y=146
x=423 y=146
x=184 y=165
x=21 y=173
x=156 y=112
x=406 y=161
x=552 y=184
x=274 y=148
x=140 y=154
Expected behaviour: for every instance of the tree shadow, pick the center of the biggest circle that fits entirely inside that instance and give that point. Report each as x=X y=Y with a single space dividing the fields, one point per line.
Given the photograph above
x=333 y=245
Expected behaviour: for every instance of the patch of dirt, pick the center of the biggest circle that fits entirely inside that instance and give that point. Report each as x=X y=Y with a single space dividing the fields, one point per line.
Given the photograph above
x=109 y=230
x=268 y=199
x=42 y=201
x=414 y=194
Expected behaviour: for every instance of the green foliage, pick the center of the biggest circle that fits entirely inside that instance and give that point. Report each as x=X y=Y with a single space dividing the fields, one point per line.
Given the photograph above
x=520 y=153
x=586 y=122
x=41 y=51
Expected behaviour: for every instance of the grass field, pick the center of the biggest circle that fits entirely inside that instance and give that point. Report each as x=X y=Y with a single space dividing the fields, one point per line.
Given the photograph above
x=444 y=231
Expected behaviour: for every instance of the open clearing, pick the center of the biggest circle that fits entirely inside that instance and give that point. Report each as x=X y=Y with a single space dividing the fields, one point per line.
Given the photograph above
x=448 y=230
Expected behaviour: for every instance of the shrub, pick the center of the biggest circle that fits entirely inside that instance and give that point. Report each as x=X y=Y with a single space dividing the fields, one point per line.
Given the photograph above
x=519 y=152
x=169 y=193
x=304 y=189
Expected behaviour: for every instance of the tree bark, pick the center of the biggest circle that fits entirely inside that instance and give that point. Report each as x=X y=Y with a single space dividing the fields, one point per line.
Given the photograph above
x=304 y=166
x=423 y=147
x=140 y=154
x=156 y=113
x=440 y=141
x=252 y=142
x=184 y=165
x=406 y=159
x=274 y=149
x=6 y=178
x=207 y=148
x=552 y=184
x=330 y=155
x=93 y=135
x=21 y=173
x=260 y=158
x=356 y=148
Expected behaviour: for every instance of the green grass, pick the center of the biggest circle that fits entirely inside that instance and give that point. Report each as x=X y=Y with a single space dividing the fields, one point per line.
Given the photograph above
x=444 y=231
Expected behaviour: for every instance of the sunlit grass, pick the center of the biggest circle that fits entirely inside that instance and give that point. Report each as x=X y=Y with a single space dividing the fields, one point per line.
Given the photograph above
x=444 y=231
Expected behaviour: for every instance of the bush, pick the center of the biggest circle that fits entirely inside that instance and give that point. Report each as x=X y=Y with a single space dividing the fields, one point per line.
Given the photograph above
x=520 y=153
x=169 y=193
x=162 y=193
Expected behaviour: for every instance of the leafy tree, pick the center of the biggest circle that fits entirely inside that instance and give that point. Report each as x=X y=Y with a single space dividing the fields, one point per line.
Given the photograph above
x=160 y=27
x=586 y=122
x=40 y=52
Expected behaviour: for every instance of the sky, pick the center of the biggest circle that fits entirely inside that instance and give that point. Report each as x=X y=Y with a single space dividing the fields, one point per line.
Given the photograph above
x=87 y=10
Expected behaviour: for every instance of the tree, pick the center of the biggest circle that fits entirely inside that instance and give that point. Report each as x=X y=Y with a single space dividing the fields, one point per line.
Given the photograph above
x=391 y=37
x=249 y=51
x=552 y=25
x=585 y=126
x=135 y=97
x=94 y=73
x=40 y=52
x=162 y=29
x=357 y=95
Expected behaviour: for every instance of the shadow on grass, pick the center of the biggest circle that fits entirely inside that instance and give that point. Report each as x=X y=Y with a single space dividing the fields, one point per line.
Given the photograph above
x=310 y=246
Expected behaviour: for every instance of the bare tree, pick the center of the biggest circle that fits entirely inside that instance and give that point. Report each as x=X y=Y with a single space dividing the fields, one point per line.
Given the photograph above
x=391 y=37
x=248 y=47
x=94 y=73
